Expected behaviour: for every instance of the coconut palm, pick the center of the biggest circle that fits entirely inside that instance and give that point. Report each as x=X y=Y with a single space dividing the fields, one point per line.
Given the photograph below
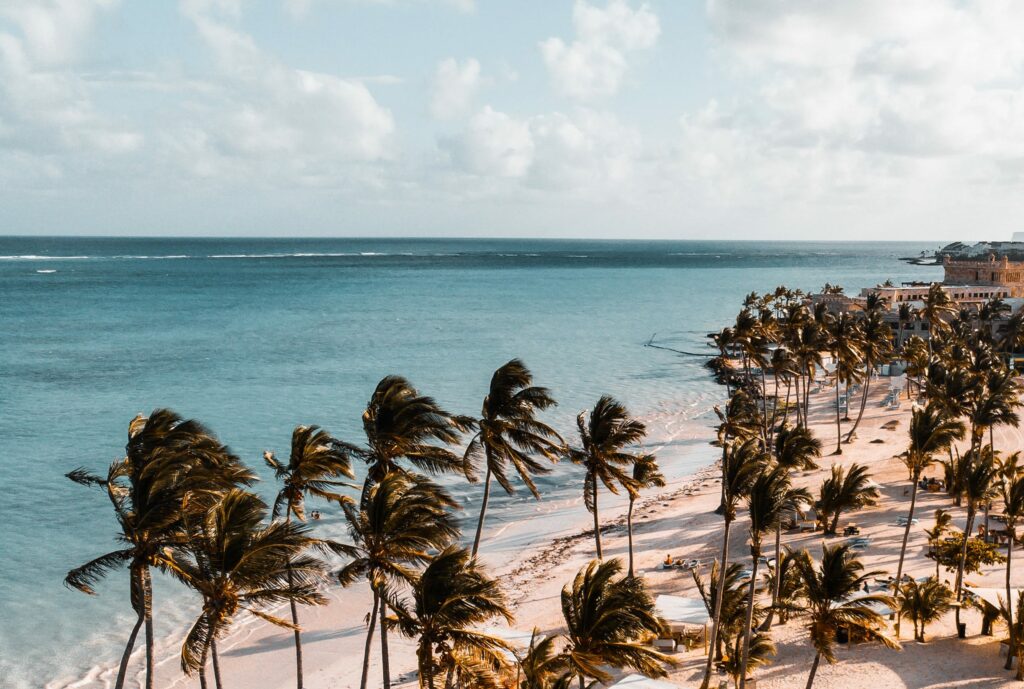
x=741 y=462
x=737 y=422
x=607 y=617
x=742 y=657
x=542 y=667
x=923 y=603
x=784 y=369
x=844 y=490
x=979 y=487
x=936 y=307
x=787 y=587
x=943 y=524
x=510 y=434
x=876 y=346
x=452 y=597
x=238 y=562
x=1018 y=630
x=1012 y=489
x=166 y=458
x=605 y=433
x=401 y=520
x=734 y=602
x=315 y=463
x=917 y=355
x=646 y=474
x=829 y=588
x=846 y=344
x=906 y=314
x=771 y=496
x=931 y=432
x=399 y=423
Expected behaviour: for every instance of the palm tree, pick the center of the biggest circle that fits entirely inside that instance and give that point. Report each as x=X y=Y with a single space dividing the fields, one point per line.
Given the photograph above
x=923 y=603
x=916 y=353
x=315 y=463
x=509 y=433
x=542 y=667
x=607 y=617
x=399 y=423
x=604 y=434
x=450 y=598
x=737 y=422
x=846 y=347
x=770 y=497
x=979 y=488
x=829 y=588
x=877 y=348
x=734 y=602
x=646 y=474
x=739 y=661
x=849 y=489
x=937 y=305
x=1012 y=488
x=906 y=314
x=784 y=578
x=943 y=523
x=402 y=519
x=1018 y=631
x=930 y=432
x=166 y=458
x=741 y=461
x=237 y=562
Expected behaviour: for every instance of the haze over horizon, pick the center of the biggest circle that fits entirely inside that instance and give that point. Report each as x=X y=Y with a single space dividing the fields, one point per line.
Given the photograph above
x=788 y=119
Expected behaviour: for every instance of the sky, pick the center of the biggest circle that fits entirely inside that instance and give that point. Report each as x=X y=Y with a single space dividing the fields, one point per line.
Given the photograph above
x=675 y=119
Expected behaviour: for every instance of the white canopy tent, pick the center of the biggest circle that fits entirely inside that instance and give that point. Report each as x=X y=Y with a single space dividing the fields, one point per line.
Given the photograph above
x=992 y=596
x=641 y=682
x=681 y=610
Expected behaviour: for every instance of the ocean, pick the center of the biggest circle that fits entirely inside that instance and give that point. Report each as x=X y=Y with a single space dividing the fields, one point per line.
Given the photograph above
x=254 y=336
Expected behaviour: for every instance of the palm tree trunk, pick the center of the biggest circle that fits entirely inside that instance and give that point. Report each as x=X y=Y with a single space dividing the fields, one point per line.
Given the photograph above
x=755 y=552
x=597 y=521
x=764 y=407
x=369 y=640
x=147 y=596
x=863 y=403
x=216 y=663
x=202 y=665
x=629 y=533
x=123 y=667
x=295 y=613
x=385 y=664
x=719 y=596
x=963 y=559
x=1012 y=649
x=903 y=548
x=839 y=430
x=483 y=505
x=814 y=670
x=785 y=412
x=777 y=584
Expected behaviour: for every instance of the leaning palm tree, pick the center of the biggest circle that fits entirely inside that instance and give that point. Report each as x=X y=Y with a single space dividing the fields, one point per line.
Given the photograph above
x=739 y=661
x=829 y=588
x=784 y=578
x=978 y=487
x=238 y=562
x=607 y=617
x=399 y=423
x=403 y=518
x=931 y=432
x=734 y=603
x=768 y=500
x=846 y=344
x=605 y=433
x=796 y=448
x=936 y=307
x=542 y=667
x=923 y=603
x=510 y=434
x=315 y=464
x=1012 y=489
x=741 y=461
x=876 y=344
x=646 y=474
x=166 y=459
x=450 y=598
x=844 y=490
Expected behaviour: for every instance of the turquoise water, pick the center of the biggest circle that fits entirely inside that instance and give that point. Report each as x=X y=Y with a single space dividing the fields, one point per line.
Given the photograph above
x=256 y=336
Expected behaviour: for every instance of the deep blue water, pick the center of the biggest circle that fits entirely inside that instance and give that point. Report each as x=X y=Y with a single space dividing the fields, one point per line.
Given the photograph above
x=256 y=336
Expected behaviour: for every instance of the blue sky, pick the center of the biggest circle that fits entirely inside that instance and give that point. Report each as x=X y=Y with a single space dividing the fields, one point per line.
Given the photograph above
x=586 y=118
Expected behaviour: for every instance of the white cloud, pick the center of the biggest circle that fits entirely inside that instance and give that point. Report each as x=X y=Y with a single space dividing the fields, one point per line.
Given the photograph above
x=493 y=144
x=595 y=63
x=300 y=8
x=266 y=118
x=455 y=86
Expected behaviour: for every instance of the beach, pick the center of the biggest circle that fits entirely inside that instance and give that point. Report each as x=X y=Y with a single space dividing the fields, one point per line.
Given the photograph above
x=679 y=520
